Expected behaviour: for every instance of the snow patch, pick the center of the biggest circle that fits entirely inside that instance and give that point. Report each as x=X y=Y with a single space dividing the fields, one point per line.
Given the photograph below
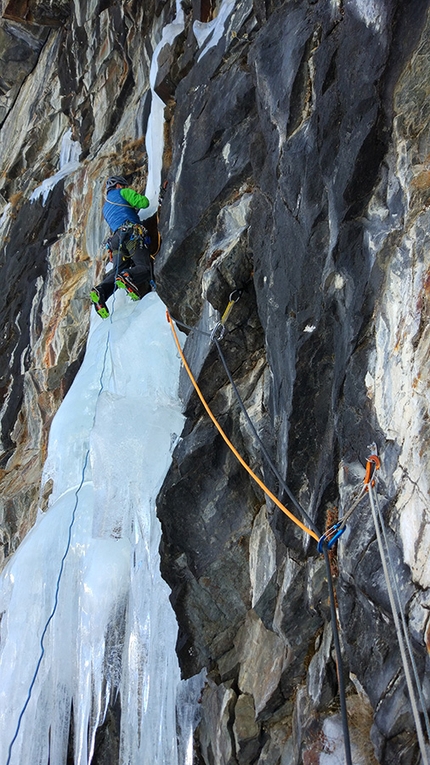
x=339 y=281
x=226 y=152
x=372 y=12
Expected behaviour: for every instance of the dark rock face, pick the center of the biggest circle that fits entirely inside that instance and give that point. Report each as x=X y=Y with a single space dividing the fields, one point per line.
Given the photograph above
x=303 y=126
x=51 y=14
x=297 y=150
x=19 y=51
x=23 y=263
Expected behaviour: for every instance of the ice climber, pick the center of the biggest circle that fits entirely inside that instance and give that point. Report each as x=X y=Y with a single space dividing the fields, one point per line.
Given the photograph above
x=128 y=245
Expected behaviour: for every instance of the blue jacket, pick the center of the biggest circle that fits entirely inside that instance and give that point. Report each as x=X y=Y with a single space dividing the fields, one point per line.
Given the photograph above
x=121 y=206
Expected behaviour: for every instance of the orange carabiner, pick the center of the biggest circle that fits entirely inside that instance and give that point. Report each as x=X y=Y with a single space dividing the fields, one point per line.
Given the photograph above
x=373 y=459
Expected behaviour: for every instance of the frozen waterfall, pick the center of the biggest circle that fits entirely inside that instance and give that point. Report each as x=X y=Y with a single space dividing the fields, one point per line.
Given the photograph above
x=94 y=553
x=85 y=617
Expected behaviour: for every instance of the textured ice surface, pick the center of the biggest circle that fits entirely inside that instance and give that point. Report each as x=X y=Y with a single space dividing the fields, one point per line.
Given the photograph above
x=69 y=162
x=154 y=138
x=113 y=631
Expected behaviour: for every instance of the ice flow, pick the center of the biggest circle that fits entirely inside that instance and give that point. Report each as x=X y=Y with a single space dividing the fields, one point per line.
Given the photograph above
x=93 y=559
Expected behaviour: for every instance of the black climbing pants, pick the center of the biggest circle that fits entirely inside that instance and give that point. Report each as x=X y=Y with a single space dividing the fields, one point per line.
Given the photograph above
x=132 y=256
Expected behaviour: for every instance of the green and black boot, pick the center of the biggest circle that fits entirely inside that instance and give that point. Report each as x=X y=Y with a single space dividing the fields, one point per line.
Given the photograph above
x=123 y=282
x=99 y=304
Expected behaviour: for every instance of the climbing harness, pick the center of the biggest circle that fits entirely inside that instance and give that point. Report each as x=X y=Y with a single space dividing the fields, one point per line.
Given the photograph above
x=132 y=232
x=126 y=239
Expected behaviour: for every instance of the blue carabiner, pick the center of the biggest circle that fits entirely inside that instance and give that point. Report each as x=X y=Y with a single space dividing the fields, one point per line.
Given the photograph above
x=334 y=539
x=339 y=531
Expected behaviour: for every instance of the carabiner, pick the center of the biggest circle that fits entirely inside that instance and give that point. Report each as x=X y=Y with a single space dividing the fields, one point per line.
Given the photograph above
x=238 y=294
x=338 y=530
x=220 y=328
x=373 y=459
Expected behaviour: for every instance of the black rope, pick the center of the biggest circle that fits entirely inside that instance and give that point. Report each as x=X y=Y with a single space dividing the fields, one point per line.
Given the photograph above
x=336 y=641
x=339 y=662
x=270 y=462
x=298 y=506
x=192 y=329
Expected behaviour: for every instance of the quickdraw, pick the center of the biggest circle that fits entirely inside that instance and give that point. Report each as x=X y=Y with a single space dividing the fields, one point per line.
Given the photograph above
x=331 y=535
x=218 y=331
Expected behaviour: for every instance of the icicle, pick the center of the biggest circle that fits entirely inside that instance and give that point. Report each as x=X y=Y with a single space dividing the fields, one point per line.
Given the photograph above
x=69 y=162
x=188 y=715
x=155 y=130
x=212 y=30
x=114 y=630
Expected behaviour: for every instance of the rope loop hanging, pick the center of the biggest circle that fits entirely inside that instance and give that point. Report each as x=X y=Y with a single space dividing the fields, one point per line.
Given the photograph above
x=257 y=480
x=311 y=531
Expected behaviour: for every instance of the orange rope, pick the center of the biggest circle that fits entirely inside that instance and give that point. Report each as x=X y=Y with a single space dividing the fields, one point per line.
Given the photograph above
x=230 y=445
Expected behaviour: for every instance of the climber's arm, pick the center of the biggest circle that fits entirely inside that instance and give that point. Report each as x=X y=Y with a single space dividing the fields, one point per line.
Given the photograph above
x=134 y=199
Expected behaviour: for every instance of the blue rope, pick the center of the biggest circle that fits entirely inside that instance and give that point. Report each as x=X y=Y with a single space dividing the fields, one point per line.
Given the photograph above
x=63 y=559
x=51 y=616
